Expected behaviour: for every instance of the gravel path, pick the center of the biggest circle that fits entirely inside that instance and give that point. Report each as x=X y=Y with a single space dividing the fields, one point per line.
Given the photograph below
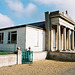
x=42 y=67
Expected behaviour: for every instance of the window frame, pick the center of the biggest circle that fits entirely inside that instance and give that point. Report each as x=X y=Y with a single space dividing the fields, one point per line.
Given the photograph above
x=2 y=37
x=10 y=37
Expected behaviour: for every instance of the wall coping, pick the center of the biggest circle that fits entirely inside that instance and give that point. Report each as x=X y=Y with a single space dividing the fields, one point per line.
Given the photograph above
x=64 y=52
x=8 y=54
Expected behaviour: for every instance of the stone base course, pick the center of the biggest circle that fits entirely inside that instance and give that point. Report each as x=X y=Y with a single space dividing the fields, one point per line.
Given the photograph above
x=63 y=56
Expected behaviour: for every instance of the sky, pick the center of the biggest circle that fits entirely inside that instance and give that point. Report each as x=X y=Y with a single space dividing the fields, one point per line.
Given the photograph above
x=19 y=12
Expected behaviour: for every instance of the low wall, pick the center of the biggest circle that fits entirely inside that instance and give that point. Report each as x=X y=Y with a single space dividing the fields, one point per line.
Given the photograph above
x=62 y=56
x=39 y=55
x=6 y=60
x=11 y=59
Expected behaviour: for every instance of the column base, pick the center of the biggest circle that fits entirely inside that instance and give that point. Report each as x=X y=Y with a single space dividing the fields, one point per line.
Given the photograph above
x=57 y=50
x=69 y=50
x=63 y=50
x=72 y=49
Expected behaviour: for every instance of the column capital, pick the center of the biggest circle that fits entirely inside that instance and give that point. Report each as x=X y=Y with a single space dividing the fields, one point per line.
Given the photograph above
x=58 y=24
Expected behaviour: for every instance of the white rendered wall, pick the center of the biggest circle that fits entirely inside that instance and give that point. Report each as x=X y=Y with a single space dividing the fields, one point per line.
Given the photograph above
x=31 y=38
x=20 y=40
x=39 y=55
x=6 y=60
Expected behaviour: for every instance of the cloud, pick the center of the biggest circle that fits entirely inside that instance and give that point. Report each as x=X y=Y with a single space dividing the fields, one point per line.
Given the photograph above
x=62 y=5
x=47 y=1
x=19 y=9
x=30 y=9
x=15 y=5
x=5 y=21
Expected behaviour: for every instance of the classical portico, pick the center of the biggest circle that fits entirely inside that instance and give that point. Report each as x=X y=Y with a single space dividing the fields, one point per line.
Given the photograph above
x=59 y=34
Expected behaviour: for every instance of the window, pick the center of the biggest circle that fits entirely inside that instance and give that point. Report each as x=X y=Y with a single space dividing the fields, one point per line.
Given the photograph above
x=12 y=37
x=1 y=37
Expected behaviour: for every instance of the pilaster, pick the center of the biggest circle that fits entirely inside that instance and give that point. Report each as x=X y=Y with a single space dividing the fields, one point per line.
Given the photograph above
x=47 y=32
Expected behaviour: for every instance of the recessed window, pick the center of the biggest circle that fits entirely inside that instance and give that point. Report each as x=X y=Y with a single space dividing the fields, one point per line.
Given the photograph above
x=36 y=38
x=1 y=37
x=12 y=37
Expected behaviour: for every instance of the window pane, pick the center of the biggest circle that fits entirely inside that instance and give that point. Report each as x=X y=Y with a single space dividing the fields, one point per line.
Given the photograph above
x=13 y=38
x=2 y=36
x=8 y=41
x=2 y=41
x=9 y=36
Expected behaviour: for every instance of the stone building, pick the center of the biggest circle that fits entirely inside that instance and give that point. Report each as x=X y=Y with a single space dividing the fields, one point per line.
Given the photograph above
x=59 y=32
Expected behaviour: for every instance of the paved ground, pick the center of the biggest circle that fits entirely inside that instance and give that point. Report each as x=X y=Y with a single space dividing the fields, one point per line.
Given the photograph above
x=70 y=71
x=42 y=67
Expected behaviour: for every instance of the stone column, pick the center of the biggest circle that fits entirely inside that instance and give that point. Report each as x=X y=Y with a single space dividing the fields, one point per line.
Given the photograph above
x=58 y=38
x=69 y=40
x=51 y=40
x=47 y=32
x=72 y=40
x=64 y=39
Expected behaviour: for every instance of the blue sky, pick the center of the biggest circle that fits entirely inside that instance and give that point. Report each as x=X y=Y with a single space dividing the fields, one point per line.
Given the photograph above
x=17 y=12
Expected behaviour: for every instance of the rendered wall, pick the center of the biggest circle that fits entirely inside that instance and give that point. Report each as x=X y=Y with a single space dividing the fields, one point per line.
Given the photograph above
x=6 y=60
x=35 y=38
x=11 y=59
x=20 y=40
x=39 y=55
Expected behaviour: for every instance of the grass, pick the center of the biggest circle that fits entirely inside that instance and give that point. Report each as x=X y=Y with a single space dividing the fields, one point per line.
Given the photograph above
x=6 y=53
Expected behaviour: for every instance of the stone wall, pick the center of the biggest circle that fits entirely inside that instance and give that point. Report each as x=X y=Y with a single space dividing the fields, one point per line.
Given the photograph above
x=63 y=56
